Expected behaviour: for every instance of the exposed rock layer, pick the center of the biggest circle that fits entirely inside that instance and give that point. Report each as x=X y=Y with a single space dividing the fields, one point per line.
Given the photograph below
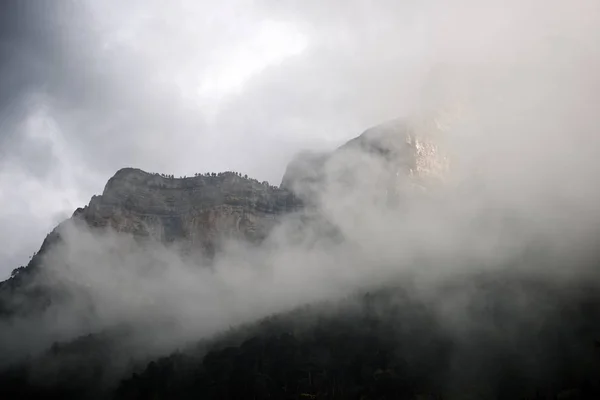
x=196 y=212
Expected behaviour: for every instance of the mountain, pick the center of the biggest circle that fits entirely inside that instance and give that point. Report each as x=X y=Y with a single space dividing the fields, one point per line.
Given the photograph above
x=86 y=332
x=195 y=211
x=411 y=156
x=199 y=212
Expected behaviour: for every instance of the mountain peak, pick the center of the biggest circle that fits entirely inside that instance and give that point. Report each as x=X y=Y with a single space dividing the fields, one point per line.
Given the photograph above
x=407 y=149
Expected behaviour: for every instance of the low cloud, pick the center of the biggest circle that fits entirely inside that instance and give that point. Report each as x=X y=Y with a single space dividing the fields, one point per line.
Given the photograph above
x=523 y=147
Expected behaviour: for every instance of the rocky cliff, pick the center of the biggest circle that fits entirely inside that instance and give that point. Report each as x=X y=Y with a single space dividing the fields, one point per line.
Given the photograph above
x=199 y=211
x=196 y=212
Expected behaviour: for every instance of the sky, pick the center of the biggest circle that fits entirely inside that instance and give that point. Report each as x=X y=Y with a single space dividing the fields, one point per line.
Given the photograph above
x=89 y=87
x=180 y=87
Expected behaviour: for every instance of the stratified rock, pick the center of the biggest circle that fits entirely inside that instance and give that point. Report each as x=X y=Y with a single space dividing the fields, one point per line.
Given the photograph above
x=196 y=211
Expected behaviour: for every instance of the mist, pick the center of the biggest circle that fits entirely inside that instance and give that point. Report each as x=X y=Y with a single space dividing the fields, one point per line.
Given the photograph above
x=509 y=89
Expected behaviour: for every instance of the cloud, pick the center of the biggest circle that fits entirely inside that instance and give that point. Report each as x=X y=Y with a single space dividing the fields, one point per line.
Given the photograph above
x=197 y=86
x=194 y=86
x=357 y=240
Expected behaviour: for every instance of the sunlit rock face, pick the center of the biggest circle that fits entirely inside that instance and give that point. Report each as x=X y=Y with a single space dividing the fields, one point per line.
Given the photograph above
x=407 y=148
x=398 y=154
x=196 y=212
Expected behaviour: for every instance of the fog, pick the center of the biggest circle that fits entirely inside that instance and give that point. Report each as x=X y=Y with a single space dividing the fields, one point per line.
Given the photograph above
x=509 y=88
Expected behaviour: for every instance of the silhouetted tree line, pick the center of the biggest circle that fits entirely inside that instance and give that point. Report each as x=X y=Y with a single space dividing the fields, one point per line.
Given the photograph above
x=336 y=358
x=388 y=350
x=381 y=345
x=217 y=175
x=22 y=268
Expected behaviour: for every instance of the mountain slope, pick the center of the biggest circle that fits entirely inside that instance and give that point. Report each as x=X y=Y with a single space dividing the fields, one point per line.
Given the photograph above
x=99 y=307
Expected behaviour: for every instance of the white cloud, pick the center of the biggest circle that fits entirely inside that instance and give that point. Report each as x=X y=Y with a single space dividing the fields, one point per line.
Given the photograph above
x=269 y=45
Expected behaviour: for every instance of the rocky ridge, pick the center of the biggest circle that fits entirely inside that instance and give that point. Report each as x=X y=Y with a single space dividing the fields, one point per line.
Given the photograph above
x=410 y=155
x=197 y=213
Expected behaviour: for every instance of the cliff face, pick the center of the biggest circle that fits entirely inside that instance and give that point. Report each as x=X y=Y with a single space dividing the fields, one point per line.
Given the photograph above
x=196 y=212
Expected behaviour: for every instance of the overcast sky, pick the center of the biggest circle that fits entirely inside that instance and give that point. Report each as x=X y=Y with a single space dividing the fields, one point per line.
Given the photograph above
x=88 y=87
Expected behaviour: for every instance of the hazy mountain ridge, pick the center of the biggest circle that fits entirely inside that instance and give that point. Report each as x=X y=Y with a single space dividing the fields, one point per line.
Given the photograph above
x=196 y=216
x=198 y=211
